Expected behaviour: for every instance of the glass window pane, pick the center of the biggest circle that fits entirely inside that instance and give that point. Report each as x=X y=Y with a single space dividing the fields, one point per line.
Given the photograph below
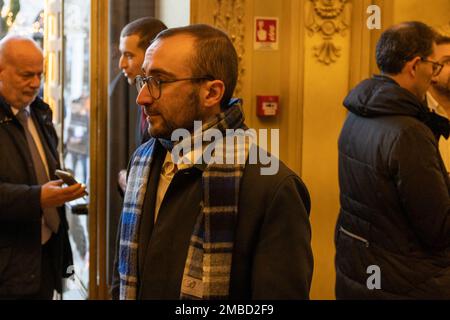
x=22 y=17
x=76 y=133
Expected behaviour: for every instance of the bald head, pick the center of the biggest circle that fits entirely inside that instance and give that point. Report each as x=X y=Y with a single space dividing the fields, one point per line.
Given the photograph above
x=21 y=68
x=16 y=48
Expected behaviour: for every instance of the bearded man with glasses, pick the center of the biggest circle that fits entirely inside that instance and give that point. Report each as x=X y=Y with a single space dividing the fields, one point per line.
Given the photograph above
x=393 y=230
x=199 y=230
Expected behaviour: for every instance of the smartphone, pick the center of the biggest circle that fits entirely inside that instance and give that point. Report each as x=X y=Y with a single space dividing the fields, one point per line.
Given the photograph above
x=67 y=177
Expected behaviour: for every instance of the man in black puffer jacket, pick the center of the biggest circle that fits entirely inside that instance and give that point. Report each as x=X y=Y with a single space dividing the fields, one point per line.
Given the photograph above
x=393 y=231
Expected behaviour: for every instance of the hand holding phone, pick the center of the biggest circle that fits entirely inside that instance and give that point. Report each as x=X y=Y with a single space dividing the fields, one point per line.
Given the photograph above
x=52 y=195
x=67 y=177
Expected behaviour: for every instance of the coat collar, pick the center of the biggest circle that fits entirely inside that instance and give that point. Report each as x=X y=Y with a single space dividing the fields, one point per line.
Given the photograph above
x=38 y=106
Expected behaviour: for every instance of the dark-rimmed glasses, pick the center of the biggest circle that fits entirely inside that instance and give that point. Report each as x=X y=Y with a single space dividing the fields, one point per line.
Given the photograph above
x=154 y=84
x=437 y=67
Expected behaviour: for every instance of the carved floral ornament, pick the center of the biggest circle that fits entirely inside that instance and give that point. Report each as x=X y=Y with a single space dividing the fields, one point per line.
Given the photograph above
x=327 y=18
x=229 y=17
x=445 y=29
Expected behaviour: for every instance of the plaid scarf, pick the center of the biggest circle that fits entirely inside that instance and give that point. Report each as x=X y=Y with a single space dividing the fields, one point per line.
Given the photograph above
x=208 y=264
x=130 y=219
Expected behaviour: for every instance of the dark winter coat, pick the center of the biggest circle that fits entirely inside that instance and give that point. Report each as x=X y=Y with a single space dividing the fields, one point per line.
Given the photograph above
x=20 y=210
x=394 y=196
x=272 y=257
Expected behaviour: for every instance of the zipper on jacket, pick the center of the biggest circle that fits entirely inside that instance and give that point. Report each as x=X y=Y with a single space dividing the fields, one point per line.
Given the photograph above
x=354 y=236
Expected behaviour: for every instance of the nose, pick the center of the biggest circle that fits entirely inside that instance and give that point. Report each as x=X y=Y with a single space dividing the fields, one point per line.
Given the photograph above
x=36 y=81
x=144 y=98
x=122 y=62
x=434 y=78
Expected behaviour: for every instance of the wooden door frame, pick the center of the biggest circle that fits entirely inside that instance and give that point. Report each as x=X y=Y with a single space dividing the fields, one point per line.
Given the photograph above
x=99 y=54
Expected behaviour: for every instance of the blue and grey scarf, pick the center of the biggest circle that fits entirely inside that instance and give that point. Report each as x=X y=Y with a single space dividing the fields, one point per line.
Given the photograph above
x=208 y=264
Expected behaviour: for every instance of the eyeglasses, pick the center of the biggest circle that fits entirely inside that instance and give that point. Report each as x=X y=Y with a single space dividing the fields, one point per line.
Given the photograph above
x=437 y=67
x=154 y=85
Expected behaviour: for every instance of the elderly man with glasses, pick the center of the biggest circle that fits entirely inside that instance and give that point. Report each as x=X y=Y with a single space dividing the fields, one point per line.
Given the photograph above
x=393 y=231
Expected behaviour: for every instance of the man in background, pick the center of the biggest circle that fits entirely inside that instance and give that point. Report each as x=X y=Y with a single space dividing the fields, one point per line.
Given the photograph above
x=134 y=40
x=438 y=96
x=35 y=252
x=393 y=230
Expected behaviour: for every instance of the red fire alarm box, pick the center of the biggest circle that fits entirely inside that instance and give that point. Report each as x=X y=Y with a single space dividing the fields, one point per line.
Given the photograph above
x=267 y=106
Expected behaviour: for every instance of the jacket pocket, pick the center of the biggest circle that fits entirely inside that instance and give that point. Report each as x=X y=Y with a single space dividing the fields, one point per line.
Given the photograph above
x=354 y=236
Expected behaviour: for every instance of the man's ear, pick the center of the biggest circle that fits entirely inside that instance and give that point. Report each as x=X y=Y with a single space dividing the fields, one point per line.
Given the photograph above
x=212 y=93
x=411 y=66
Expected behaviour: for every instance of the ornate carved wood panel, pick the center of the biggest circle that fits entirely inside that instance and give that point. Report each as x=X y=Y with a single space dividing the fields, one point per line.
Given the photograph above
x=327 y=18
x=229 y=17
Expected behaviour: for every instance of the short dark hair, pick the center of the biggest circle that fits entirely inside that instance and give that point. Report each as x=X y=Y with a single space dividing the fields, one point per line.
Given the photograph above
x=402 y=43
x=215 y=55
x=442 y=39
x=146 y=28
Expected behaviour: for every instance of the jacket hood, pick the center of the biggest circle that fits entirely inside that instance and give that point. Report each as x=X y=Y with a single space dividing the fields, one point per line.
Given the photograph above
x=381 y=96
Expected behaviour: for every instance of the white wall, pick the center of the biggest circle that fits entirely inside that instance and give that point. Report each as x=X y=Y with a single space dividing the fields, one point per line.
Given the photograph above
x=174 y=13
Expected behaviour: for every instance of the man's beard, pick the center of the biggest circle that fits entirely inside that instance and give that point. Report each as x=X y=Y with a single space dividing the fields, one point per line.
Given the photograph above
x=193 y=105
x=443 y=90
